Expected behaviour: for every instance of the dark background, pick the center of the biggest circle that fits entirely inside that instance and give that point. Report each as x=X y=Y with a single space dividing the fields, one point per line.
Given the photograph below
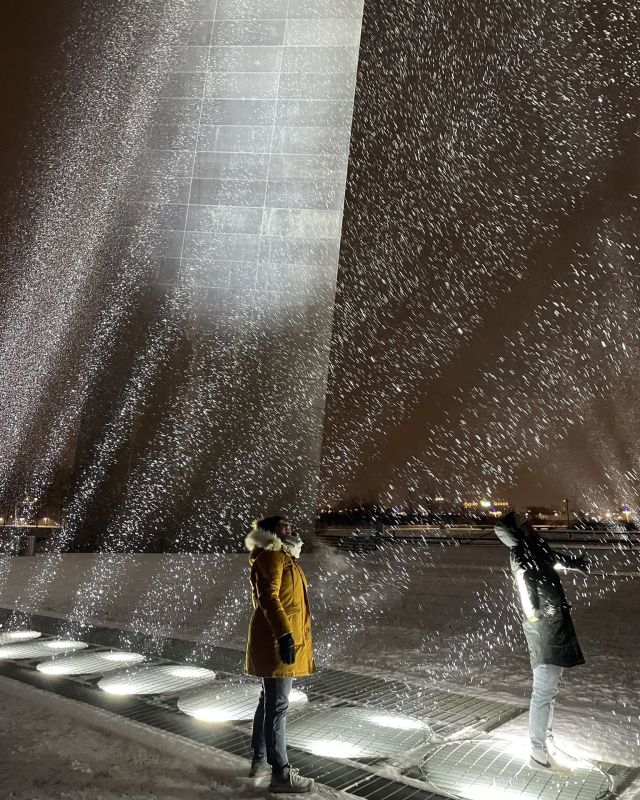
x=486 y=339
x=32 y=61
x=488 y=241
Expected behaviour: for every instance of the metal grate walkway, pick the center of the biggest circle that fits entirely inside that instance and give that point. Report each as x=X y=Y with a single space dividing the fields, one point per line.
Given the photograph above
x=232 y=738
x=470 y=769
x=445 y=712
x=330 y=691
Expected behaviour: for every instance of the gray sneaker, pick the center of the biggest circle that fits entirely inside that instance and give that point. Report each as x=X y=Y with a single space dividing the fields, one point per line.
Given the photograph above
x=289 y=781
x=259 y=768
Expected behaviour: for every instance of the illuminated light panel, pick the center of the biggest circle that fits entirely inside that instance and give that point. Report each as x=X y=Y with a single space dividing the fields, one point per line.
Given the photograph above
x=494 y=769
x=226 y=702
x=37 y=649
x=88 y=663
x=168 y=679
x=398 y=721
x=335 y=748
x=516 y=745
x=7 y=637
x=357 y=733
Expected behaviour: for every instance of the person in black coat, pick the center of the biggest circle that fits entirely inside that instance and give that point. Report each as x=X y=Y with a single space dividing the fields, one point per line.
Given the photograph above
x=548 y=627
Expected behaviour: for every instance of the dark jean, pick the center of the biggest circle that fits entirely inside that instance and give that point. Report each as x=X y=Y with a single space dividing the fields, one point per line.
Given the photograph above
x=269 y=723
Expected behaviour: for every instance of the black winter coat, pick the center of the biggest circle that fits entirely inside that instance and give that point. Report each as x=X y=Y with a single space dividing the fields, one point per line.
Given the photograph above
x=547 y=623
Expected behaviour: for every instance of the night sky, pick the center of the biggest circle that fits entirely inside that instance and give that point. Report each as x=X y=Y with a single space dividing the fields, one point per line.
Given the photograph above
x=32 y=59
x=486 y=337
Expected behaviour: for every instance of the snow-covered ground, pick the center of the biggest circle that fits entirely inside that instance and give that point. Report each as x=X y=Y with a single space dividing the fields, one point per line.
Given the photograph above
x=441 y=616
x=57 y=749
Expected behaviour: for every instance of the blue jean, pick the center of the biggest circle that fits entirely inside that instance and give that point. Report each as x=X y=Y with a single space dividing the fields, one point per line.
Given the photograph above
x=546 y=684
x=269 y=722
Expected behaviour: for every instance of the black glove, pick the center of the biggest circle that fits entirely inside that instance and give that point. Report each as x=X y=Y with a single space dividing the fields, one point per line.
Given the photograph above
x=287 y=649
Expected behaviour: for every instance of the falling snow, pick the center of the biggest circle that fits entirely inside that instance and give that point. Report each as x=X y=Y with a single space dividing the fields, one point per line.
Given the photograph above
x=485 y=328
x=488 y=269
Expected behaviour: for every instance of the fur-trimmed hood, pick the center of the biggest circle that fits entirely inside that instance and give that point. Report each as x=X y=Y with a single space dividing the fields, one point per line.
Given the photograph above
x=259 y=539
x=266 y=540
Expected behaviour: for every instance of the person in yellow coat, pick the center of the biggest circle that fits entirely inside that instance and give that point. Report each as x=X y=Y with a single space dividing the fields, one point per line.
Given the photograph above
x=279 y=646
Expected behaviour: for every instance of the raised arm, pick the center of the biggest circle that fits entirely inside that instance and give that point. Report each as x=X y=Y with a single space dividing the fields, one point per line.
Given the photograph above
x=568 y=561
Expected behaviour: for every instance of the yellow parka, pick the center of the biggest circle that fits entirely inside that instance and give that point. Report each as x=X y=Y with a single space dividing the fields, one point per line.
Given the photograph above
x=280 y=605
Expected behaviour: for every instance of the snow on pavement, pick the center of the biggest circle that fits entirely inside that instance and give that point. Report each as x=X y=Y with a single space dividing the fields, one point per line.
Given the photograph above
x=443 y=616
x=57 y=749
